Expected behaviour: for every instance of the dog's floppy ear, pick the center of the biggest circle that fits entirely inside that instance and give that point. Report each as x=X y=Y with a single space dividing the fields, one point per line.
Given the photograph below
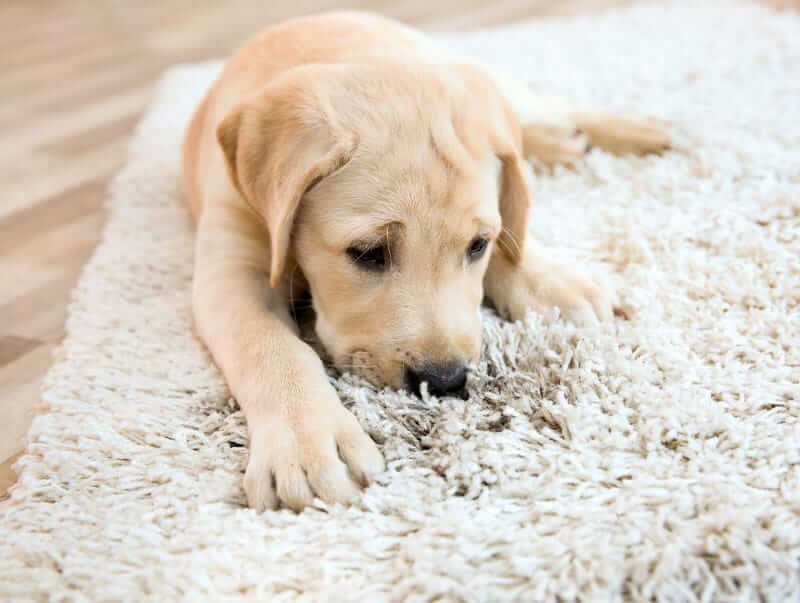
x=278 y=144
x=515 y=204
x=506 y=138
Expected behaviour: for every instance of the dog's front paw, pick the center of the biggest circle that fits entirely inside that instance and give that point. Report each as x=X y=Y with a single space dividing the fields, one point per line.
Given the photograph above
x=541 y=284
x=582 y=299
x=324 y=452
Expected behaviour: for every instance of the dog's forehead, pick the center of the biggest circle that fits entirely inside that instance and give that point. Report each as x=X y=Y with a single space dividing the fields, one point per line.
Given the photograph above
x=414 y=188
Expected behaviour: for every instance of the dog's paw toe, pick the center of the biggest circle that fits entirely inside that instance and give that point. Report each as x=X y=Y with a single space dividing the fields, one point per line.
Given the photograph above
x=259 y=486
x=329 y=459
x=554 y=146
x=360 y=453
x=650 y=135
x=640 y=135
x=580 y=298
x=588 y=301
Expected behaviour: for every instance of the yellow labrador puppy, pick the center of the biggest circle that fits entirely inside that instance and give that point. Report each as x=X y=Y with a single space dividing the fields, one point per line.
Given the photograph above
x=349 y=157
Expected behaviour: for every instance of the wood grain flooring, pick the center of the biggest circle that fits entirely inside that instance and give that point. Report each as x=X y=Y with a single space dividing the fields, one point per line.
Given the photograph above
x=74 y=79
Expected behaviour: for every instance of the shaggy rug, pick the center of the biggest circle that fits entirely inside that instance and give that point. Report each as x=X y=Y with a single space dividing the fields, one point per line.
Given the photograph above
x=655 y=458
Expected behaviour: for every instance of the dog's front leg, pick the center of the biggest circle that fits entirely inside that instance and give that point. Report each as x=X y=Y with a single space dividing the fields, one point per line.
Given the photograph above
x=303 y=442
x=539 y=283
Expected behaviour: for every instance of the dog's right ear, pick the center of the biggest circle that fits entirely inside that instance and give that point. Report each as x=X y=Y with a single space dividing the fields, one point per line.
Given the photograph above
x=278 y=144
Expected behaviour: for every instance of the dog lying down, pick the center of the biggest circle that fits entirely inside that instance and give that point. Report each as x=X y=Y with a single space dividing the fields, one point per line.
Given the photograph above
x=349 y=157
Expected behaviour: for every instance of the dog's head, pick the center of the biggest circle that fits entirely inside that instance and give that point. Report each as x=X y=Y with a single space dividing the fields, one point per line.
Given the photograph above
x=389 y=186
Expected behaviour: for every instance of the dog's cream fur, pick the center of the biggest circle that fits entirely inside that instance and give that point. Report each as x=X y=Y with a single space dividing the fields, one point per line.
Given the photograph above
x=347 y=130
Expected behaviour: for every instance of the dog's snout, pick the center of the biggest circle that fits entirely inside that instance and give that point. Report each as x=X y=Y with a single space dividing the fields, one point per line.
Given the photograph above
x=442 y=378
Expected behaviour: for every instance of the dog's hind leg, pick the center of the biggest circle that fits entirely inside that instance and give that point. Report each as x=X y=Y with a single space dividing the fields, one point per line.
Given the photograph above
x=555 y=132
x=549 y=133
x=624 y=133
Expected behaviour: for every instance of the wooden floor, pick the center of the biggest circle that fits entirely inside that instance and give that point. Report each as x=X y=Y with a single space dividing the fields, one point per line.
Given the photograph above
x=74 y=78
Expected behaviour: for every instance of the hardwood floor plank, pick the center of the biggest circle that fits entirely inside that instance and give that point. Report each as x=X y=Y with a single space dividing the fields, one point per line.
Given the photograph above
x=22 y=275
x=46 y=48
x=36 y=307
x=95 y=137
x=20 y=382
x=7 y=476
x=29 y=82
x=50 y=212
x=38 y=311
x=26 y=186
x=14 y=346
x=113 y=79
x=33 y=134
x=64 y=96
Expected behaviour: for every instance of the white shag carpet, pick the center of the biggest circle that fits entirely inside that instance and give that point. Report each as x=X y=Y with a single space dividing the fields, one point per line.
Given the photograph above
x=650 y=459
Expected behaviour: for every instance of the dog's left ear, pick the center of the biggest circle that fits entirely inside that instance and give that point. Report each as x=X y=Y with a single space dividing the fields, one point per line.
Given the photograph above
x=277 y=145
x=506 y=138
x=515 y=204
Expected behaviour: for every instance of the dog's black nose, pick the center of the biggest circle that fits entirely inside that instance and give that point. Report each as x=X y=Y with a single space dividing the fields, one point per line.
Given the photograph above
x=442 y=378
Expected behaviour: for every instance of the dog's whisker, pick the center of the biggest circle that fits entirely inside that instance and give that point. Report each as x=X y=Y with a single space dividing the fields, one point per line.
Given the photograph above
x=513 y=239
x=361 y=366
x=292 y=300
x=388 y=247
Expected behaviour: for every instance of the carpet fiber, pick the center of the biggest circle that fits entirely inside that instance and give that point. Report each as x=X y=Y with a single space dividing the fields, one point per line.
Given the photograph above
x=654 y=458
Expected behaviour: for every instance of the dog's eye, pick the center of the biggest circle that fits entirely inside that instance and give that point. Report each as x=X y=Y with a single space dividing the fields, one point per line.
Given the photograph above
x=477 y=248
x=373 y=258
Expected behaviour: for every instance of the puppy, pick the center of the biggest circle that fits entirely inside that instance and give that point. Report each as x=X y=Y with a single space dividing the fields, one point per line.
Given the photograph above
x=348 y=157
